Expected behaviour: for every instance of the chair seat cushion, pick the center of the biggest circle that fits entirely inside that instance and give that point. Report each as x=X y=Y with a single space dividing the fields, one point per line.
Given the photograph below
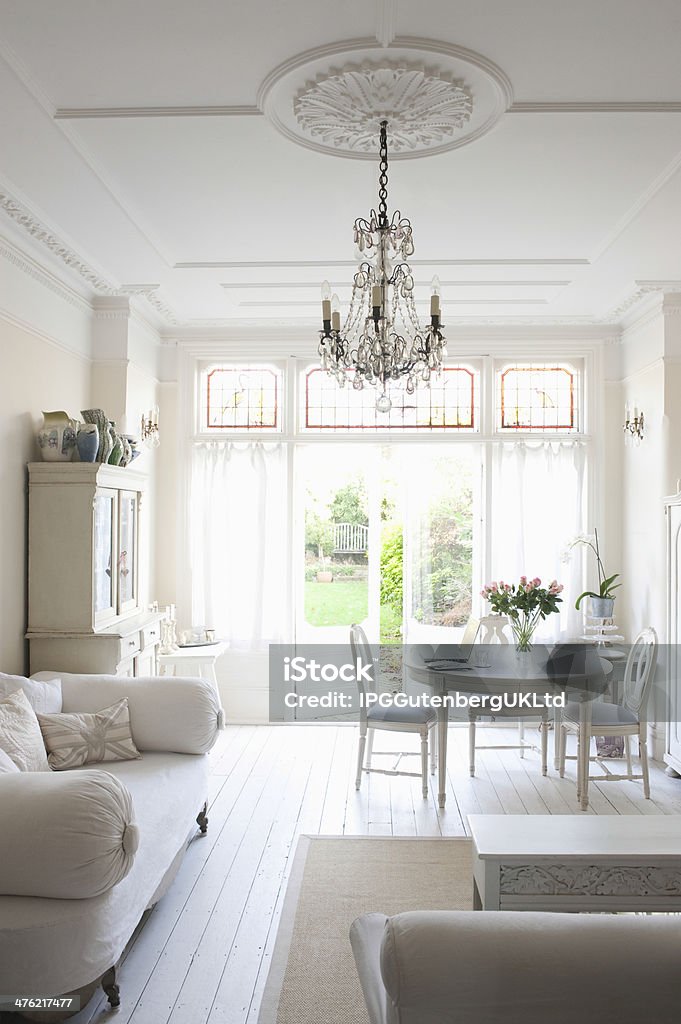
x=404 y=715
x=601 y=714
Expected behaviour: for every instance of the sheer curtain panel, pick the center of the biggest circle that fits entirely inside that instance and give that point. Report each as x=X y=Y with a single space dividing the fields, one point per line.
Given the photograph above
x=537 y=509
x=238 y=539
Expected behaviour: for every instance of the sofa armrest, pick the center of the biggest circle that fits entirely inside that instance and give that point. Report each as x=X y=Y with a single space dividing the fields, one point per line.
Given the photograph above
x=64 y=835
x=175 y=714
x=505 y=967
x=366 y=936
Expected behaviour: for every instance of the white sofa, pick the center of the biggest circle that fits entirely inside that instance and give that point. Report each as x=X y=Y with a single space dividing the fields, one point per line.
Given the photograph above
x=515 y=967
x=56 y=946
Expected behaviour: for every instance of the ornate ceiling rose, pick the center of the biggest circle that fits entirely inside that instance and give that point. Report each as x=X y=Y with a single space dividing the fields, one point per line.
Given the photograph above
x=424 y=108
x=435 y=97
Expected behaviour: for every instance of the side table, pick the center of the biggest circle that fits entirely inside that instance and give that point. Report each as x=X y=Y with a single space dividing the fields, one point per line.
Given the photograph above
x=193 y=661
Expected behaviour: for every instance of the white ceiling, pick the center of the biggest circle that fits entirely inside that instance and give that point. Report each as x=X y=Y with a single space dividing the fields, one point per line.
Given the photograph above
x=561 y=212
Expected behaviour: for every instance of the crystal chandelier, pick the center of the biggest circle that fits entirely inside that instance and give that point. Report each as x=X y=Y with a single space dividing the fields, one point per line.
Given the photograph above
x=382 y=339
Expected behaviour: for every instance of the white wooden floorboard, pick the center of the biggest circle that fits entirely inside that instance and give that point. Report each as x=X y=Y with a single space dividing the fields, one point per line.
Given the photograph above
x=202 y=954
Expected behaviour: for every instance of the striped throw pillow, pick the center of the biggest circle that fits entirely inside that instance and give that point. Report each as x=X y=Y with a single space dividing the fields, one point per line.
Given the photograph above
x=75 y=739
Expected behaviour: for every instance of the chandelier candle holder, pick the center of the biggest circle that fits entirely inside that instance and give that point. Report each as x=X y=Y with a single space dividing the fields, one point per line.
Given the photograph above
x=382 y=339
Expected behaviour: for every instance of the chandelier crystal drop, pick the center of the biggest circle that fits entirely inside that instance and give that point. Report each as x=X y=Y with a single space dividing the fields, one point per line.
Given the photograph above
x=382 y=339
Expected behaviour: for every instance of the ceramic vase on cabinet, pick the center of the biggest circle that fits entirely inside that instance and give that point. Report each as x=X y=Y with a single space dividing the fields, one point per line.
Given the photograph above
x=99 y=417
x=57 y=437
x=88 y=442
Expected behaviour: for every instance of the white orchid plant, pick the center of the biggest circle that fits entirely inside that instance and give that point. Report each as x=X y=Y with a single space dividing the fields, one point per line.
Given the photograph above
x=606 y=584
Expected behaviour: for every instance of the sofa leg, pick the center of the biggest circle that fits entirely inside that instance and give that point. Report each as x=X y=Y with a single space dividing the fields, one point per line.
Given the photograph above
x=111 y=989
x=202 y=819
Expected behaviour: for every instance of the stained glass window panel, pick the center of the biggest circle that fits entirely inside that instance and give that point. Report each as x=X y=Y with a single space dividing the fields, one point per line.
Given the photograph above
x=241 y=398
x=448 y=403
x=537 y=398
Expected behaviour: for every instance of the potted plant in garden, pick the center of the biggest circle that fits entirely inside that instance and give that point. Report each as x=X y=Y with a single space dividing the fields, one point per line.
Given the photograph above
x=525 y=603
x=603 y=602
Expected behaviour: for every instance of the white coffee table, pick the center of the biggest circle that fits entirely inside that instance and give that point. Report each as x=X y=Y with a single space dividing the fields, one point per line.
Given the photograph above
x=574 y=863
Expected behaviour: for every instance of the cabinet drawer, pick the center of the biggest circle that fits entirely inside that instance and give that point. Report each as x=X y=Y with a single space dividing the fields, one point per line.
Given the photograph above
x=151 y=635
x=129 y=645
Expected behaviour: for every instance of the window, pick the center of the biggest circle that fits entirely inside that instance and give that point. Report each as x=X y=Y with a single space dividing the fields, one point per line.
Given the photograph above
x=240 y=398
x=447 y=403
x=537 y=397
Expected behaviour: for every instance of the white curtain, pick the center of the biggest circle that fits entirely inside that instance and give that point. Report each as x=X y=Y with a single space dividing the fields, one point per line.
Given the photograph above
x=239 y=538
x=537 y=508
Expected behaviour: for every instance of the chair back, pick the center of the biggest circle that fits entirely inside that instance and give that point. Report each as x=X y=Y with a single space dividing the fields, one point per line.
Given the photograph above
x=639 y=671
x=361 y=651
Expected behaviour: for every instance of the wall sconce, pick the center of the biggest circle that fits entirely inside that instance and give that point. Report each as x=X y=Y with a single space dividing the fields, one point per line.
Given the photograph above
x=633 y=425
x=149 y=428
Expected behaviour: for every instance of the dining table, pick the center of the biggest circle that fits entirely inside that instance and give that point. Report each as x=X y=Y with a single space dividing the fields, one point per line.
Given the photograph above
x=570 y=672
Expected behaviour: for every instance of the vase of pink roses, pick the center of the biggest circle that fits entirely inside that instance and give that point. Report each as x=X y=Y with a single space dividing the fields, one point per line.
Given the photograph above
x=525 y=603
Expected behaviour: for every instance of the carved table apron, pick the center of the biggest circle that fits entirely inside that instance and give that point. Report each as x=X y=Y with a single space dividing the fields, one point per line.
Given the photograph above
x=571 y=863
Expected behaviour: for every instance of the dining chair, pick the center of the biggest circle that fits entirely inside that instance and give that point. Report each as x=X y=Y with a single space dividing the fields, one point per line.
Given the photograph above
x=389 y=717
x=626 y=719
x=493 y=631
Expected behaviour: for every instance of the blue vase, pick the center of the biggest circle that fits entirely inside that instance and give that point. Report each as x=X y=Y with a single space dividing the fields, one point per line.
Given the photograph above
x=88 y=442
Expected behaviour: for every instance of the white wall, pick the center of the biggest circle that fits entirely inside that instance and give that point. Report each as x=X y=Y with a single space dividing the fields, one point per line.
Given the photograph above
x=36 y=374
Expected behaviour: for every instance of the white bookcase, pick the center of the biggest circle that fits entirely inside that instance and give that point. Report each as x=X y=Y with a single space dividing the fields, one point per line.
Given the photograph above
x=87 y=560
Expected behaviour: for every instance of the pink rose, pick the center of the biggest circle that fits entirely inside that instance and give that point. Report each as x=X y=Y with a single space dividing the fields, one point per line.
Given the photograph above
x=536 y=581
x=523 y=580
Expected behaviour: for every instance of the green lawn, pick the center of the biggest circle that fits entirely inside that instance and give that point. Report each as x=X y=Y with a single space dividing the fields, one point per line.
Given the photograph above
x=346 y=601
x=336 y=604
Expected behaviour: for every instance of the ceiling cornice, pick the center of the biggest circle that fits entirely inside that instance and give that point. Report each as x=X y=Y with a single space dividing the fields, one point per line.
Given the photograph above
x=596 y=107
x=81 y=113
x=302 y=264
x=18 y=258
x=34 y=226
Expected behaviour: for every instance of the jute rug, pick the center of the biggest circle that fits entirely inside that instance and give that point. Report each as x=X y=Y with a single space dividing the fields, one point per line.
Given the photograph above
x=312 y=978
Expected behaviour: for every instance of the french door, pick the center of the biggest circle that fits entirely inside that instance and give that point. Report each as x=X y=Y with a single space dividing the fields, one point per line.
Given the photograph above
x=388 y=536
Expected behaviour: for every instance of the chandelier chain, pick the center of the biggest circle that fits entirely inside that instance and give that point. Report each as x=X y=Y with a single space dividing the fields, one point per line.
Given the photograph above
x=383 y=176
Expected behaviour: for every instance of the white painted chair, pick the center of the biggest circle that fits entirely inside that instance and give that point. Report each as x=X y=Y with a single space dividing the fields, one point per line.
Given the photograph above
x=495 y=629
x=389 y=718
x=626 y=719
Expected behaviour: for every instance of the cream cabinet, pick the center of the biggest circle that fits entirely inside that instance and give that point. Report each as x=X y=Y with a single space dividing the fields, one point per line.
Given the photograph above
x=673 y=651
x=87 y=563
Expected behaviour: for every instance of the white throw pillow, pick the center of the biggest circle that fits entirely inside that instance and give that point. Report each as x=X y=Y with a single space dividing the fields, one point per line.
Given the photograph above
x=7 y=765
x=20 y=735
x=76 y=739
x=44 y=695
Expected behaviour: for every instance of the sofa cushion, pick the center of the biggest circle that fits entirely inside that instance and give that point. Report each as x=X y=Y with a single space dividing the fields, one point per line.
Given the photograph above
x=69 y=836
x=44 y=695
x=82 y=738
x=176 y=714
x=20 y=735
x=6 y=763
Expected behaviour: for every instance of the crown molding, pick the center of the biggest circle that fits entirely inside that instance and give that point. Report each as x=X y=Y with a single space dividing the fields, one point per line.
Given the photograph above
x=34 y=227
x=458 y=283
x=597 y=107
x=85 y=113
x=150 y=292
x=18 y=258
x=101 y=286
x=314 y=304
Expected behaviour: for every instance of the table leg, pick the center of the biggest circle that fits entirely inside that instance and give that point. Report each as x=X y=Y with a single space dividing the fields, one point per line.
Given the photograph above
x=442 y=723
x=584 y=750
x=557 y=729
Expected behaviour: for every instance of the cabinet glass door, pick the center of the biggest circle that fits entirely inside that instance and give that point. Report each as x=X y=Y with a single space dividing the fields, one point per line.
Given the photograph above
x=127 y=551
x=104 y=556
